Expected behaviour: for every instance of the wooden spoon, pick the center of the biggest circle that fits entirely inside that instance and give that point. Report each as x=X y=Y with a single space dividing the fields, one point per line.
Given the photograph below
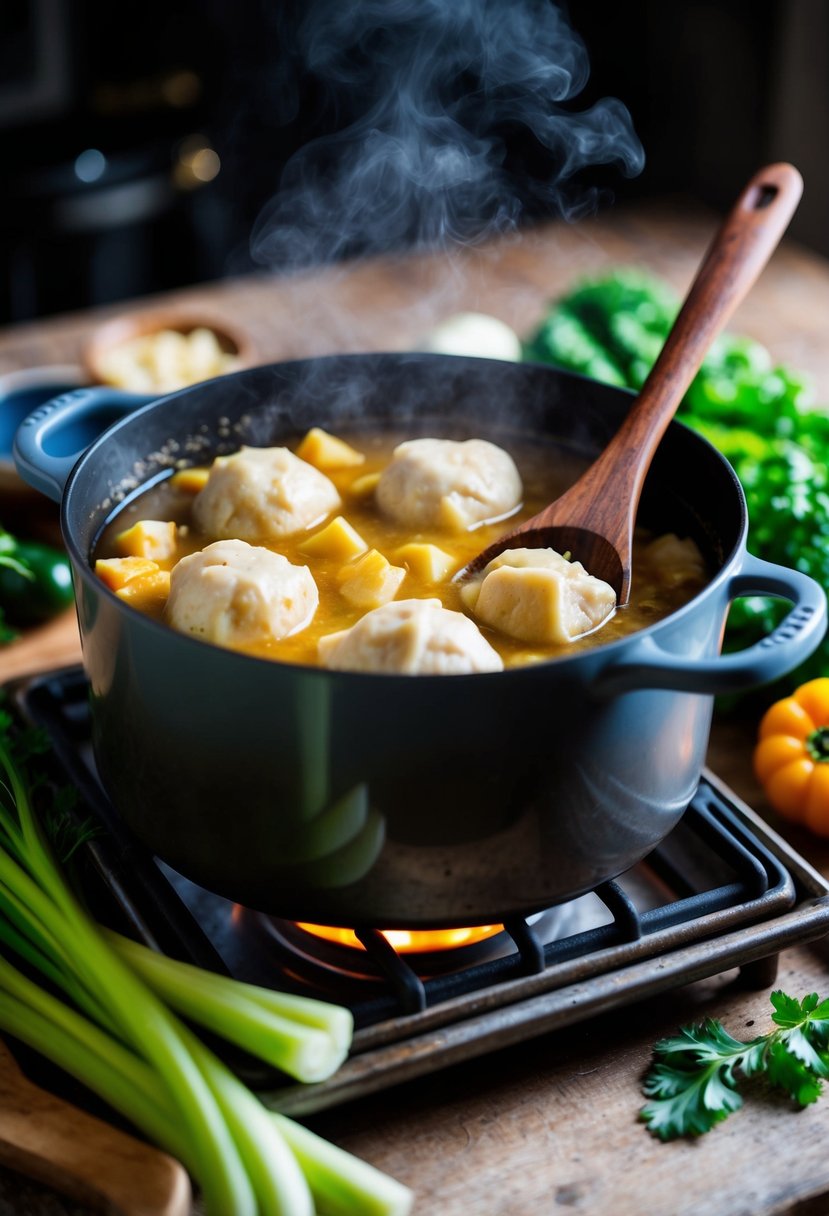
x=46 y=1138
x=593 y=520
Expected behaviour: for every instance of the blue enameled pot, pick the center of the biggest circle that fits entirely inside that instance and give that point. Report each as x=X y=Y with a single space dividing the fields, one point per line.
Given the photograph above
x=402 y=801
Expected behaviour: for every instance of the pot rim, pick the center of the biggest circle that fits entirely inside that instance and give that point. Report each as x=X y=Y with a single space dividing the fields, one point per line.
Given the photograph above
x=608 y=650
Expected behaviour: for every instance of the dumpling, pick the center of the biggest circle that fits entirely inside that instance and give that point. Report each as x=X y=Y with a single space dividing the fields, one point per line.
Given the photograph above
x=444 y=483
x=234 y=594
x=411 y=637
x=263 y=494
x=538 y=596
x=675 y=561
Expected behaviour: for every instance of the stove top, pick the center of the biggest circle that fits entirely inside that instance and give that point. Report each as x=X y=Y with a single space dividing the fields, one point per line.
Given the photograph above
x=721 y=891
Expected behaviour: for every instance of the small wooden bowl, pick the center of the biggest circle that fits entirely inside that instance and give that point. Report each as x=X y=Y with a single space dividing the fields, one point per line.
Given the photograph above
x=127 y=327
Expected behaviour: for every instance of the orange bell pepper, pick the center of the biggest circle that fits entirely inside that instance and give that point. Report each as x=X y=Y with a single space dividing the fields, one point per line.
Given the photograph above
x=791 y=759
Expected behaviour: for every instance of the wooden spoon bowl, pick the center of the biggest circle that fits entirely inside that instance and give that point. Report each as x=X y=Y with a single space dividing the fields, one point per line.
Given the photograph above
x=593 y=521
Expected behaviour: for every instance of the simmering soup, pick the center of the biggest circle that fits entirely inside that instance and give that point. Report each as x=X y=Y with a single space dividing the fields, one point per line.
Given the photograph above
x=277 y=552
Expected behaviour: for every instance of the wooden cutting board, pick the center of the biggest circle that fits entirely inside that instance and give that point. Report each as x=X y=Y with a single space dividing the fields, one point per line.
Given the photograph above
x=48 y=1139
x=55 y=644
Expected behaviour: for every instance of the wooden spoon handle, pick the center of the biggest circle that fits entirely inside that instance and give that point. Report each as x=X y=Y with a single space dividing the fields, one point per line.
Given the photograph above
x=45 y=1138
x=594 y=518
x=734 y=260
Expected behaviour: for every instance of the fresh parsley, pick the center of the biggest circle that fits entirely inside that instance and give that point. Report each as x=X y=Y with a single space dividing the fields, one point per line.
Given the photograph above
x=58 y=805
x=692 y=1082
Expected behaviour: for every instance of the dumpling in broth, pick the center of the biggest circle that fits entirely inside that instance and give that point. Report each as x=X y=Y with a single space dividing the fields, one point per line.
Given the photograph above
x=443 y=483
x=263 y=494
x=235 y=594
x=412 y=637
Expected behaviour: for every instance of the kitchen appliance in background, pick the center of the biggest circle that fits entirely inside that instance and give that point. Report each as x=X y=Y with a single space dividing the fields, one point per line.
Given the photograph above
x=147 y=146
x=106 y=153
x=141 y=142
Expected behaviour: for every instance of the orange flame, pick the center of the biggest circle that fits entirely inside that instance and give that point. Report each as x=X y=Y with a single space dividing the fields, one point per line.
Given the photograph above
x=409 y=941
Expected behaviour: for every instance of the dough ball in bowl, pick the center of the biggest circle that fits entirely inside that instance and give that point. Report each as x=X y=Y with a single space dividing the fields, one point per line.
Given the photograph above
x=446 y=483
x=234 y=594
x=411 y=637
x=263 y=494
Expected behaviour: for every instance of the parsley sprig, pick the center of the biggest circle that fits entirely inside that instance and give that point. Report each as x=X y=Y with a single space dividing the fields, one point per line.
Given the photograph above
x=692 y=1082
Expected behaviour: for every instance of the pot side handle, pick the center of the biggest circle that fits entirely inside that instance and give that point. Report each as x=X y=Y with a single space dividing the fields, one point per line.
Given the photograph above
x=794 y=639
x=51 y=440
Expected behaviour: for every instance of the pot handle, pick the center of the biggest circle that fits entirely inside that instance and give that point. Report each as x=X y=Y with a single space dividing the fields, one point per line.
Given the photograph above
x=647 y=665
x=49 y=443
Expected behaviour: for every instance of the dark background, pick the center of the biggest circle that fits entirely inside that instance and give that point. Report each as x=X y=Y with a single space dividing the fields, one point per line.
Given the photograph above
x=140 y=141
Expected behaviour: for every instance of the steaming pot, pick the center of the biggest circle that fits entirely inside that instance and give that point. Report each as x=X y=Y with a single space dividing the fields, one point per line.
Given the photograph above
x=402 y=801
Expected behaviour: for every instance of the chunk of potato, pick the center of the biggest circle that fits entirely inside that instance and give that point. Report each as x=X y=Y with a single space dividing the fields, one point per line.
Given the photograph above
x=371 y=581
x=326 y=451
x=153 y=538
x=116 y=572
x=148 y=591
x=361 y=487
x=426 y=562
x=191 y=481
x=338 y=541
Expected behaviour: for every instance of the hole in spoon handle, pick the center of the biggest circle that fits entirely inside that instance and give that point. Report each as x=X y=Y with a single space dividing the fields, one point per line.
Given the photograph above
x=763 y=196
x=776 y=188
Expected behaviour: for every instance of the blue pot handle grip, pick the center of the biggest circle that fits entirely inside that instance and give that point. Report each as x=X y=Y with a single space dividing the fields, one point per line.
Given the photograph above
x=647 y=665
x=49 y=443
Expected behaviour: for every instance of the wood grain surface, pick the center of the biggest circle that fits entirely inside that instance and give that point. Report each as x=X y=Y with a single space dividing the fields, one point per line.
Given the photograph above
x=550 y=1126
x=82 y=1156
x=391 y=304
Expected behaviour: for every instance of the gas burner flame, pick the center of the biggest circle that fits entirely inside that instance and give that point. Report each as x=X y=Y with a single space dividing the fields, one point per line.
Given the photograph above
x=408 y=941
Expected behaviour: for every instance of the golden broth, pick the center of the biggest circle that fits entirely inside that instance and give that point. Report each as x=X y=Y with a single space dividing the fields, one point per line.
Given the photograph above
x=545 y=470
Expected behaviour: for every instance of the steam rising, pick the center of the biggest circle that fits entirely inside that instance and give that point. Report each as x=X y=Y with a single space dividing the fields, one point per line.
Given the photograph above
x=435 y=93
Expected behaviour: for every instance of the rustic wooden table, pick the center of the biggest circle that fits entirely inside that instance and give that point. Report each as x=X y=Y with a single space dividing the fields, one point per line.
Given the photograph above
x=551 y=1124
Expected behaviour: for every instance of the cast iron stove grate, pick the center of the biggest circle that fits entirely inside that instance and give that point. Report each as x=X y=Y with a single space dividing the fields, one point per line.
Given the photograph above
x=722 y=891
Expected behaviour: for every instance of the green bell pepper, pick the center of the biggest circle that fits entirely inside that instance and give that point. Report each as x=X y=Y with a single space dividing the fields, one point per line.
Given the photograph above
x=35 y=581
